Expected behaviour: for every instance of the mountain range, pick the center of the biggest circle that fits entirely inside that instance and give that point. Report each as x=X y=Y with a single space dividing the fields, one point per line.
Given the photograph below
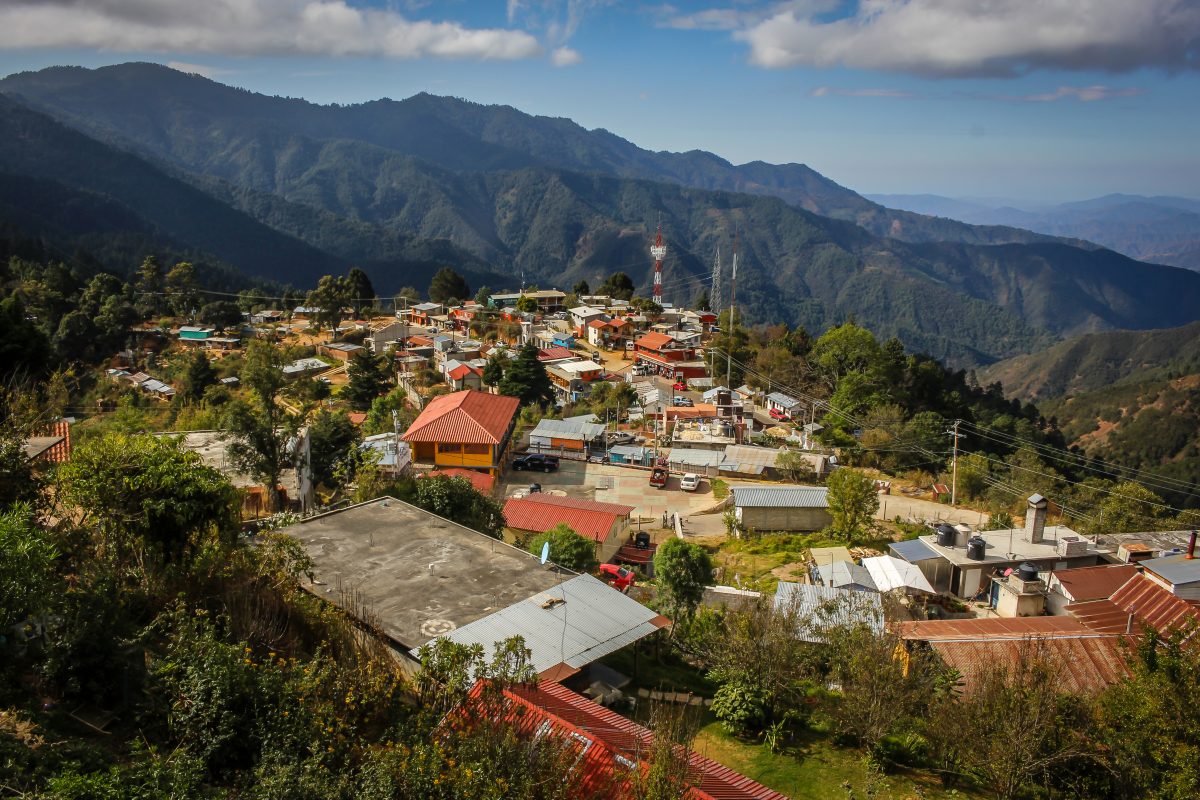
x=1163 y=230
x=287 y=190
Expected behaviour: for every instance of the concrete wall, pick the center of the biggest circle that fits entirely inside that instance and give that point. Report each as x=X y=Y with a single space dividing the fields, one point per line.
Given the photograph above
x=785 y=519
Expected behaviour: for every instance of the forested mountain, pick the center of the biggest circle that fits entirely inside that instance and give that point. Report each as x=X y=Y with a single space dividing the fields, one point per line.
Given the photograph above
x=1161 y=230
x=288 y=190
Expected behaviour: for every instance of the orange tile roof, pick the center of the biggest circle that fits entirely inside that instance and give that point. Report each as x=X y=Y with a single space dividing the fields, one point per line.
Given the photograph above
x=597 y=323
x=541 y=512
x=654 y=341
x=462 y=370
x=482 y=482
x=357 y=417
x=466 y=417
x=61 y=452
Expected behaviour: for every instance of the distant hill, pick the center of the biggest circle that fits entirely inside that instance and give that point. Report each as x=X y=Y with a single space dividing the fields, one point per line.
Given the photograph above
x=1098 y=361
x=1161 y=230
x=287 y=189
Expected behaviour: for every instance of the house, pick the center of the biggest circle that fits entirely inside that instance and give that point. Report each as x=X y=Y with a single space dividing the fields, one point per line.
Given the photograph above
x=1140 y=603
x=608 y=747
x=701 y=462
x=425 y=577
x=818 y=607
x=394 y=334
x=782 y=508
x=1084 y=661
x=754 y=461
x=572 y=379
x=1080 y=585
x=783 y=404
x=663 y=355
x=463 y=375
x=222 y=343
x=555 y=354
x=464 y=429
x=548 y=300
x=295 y=482
x=963 y=565
x=701 y=434
x=190 y=334
x=1178 y=574
x=392 y=456
x=302 y=366
x=422 y=313
x=580 y=316
x=52 y=446
x=846 y=575
x=268 y=316
x=629 y=454
x=563 y=339
x=612 y=334
x=341 y=351
x=561 y=434
x=606 y=524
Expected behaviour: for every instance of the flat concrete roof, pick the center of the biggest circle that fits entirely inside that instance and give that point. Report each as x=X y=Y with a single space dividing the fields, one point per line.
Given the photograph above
x=1001 y=543
x=418 y=574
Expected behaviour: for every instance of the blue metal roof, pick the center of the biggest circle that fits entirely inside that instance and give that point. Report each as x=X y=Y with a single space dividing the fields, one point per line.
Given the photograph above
x=780 y=496
x=913 y=550
x=1175 y=570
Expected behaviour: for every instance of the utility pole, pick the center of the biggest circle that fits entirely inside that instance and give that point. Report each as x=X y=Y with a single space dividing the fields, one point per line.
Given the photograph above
x=954 y=468
x=732 y=303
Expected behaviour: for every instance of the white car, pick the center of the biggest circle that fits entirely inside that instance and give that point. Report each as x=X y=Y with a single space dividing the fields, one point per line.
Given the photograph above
x=690 y=482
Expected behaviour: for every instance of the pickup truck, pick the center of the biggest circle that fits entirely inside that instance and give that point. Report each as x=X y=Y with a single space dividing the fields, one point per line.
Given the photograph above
x=535 y=462
x=658 y=477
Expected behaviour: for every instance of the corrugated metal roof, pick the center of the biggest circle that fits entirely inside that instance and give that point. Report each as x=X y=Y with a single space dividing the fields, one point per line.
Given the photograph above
x=1149 y=604
x=632 y=451
x=893 y=573
x=567 y=429
x=749 y=454
x=541 y=512
x=913 y=550
x=695 y=458
x=466 y=417
x=555 y=353
x=845 y=575
x=1176 y=570
x=780 y=496
x=1082 y=665
x=991 y=628
x=1093 y=583
x=594 y=620
x=655 y=341
x=781 y=399
x=822 y=606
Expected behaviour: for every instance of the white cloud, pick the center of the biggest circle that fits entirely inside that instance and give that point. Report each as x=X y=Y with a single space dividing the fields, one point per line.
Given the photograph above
x=823 y=91
x=248 y=28
x=1084 y=94
x=565 y=57
x=959 y=38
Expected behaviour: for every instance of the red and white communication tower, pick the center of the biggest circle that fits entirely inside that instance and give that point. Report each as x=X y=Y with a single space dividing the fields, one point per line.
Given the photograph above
x=658 y=250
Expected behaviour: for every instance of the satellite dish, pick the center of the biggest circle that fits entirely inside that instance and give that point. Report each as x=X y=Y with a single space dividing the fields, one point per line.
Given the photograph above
x=545 y=552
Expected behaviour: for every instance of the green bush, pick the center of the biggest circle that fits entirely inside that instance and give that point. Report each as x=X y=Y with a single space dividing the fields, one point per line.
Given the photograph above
x=742 y=709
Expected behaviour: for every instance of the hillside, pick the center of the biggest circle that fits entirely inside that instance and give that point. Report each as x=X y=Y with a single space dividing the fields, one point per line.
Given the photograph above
x=1099 y=361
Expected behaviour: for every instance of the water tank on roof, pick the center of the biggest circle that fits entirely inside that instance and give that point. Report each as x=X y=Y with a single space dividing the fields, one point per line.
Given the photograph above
x=1027 y=572
x=946 y=535
x=976 y=548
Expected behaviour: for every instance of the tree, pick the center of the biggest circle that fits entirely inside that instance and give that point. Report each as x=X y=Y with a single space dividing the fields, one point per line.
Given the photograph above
x=379 y=418
x=448 y=285
x=853 y=501
x=333 y=448
x=199 y=376
x=407 y=296
x=148 y=498
x=27 y=569
x=457 y=500
x=845 y=349
x=368 y=379
x=330 y=299
x=148 y=283
x=702 y=303
x=359 y=289
x=221 y=314
x=526 y=304
x=581 y=288
x=261 y=431
x=493 y=370
x=796 y=466
x=183 y=289
x=19 y=481
x=23 y=346
x=567 y=548
x=483 y=294
x=1131 y=507
x=682 y=570
x=526 y=378
x=618 y=286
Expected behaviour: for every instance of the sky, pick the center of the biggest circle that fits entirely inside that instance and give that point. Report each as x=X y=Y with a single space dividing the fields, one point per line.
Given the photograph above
x=1033 y=101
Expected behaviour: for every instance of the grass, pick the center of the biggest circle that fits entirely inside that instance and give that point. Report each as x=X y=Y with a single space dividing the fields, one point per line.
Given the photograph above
x=815 y=769
x=720 y=489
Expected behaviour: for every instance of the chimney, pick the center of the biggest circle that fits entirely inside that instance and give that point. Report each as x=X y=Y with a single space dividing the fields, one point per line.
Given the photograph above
x=1035 y=518
x=1191 y=551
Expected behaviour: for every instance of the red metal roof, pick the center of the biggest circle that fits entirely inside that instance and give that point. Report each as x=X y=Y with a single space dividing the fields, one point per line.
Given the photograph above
x=654 y=341
x=1084 y=664
x=597 y=323
x=1094 y=583
x=483 y=482
x=466 y=417
x=997 y=628
x=607 y=736
x=462 y=371
x=1149 y=604
x=541 y=512
x=555 y=353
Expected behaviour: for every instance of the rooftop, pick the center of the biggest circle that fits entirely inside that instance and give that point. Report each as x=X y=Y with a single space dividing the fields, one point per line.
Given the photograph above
x=1093 y=583
x=211 y=446
x=821 y=606
x=468 y=417
x=1084 y=665
x=540 y=512
x=780 y=496
x=655 y=341
x=568 y=429
x=555 y=353
x=1008 y=546
x=783 y=400
x=890 y=573
x=1139 y=603
x=1175 y=570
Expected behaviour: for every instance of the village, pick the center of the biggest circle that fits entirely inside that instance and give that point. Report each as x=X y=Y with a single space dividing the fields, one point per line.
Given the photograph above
x=639 y=447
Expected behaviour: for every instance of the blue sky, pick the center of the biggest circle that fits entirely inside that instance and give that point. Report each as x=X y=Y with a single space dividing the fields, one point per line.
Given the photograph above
x=1036 y=100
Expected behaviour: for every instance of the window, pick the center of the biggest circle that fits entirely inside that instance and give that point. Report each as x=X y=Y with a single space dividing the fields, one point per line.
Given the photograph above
x=476 y=449
x=448 y=447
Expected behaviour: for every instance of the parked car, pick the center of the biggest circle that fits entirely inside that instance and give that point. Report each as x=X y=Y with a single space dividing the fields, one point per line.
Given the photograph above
x=679 y=386
x=617 y=576
x=780 y=415
x=535 y=462
x=658 y=477
x=690 y=482
x=680 y=400
x=620 y=437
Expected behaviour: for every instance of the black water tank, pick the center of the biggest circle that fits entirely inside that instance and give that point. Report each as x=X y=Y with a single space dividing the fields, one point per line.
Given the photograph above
x=976 y=548
x=1027 y=572
x=641 y=540
x=945 y=535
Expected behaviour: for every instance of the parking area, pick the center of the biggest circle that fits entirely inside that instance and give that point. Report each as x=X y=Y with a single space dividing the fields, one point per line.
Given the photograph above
x=612 y=484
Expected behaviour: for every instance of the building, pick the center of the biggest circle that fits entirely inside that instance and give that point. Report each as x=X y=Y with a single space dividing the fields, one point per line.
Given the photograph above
x=464 y=376
x=1178 y=574
x=572 y=379
x=701 y=462
x=548 y=300
x=302 y=366
x=464 y=429
x=342 y=351
x=846 y=575
x=763 y=462
x=555 y=354
x=580 y=316
x=391 y=455
x=425 y=577
x=606 y=524
x=1083 y=584
x=394 y=334
x=894 y=574
x=1140 y=603
x=52 y=445
x=561 y=434
x=191 y=334
x=295 y=482
x=782 y=508
x=710 y=434
x=608 y=746
x=663 y=355
x=783 y=404
x=818 y=607
x=629 y=454
x=1084 y=661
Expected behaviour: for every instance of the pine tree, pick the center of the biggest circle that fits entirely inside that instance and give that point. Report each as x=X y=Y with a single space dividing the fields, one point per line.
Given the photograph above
x=359 y=287
x=448 y=285
x=200 y=375
x=368 y=379
x=526 y=378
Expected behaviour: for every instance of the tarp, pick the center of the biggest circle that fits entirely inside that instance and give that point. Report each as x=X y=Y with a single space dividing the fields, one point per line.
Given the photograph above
x=891 y=573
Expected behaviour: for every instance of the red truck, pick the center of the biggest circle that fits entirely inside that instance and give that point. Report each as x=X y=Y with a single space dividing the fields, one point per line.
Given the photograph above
x=658 y=477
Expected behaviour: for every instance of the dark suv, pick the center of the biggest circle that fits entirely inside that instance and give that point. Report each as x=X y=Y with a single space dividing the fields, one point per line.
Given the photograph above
x=535 y=462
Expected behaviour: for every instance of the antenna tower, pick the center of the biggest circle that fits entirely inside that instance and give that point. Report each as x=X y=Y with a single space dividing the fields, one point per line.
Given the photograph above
x=714 y=297
x=658 y=251
x=729 y=337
